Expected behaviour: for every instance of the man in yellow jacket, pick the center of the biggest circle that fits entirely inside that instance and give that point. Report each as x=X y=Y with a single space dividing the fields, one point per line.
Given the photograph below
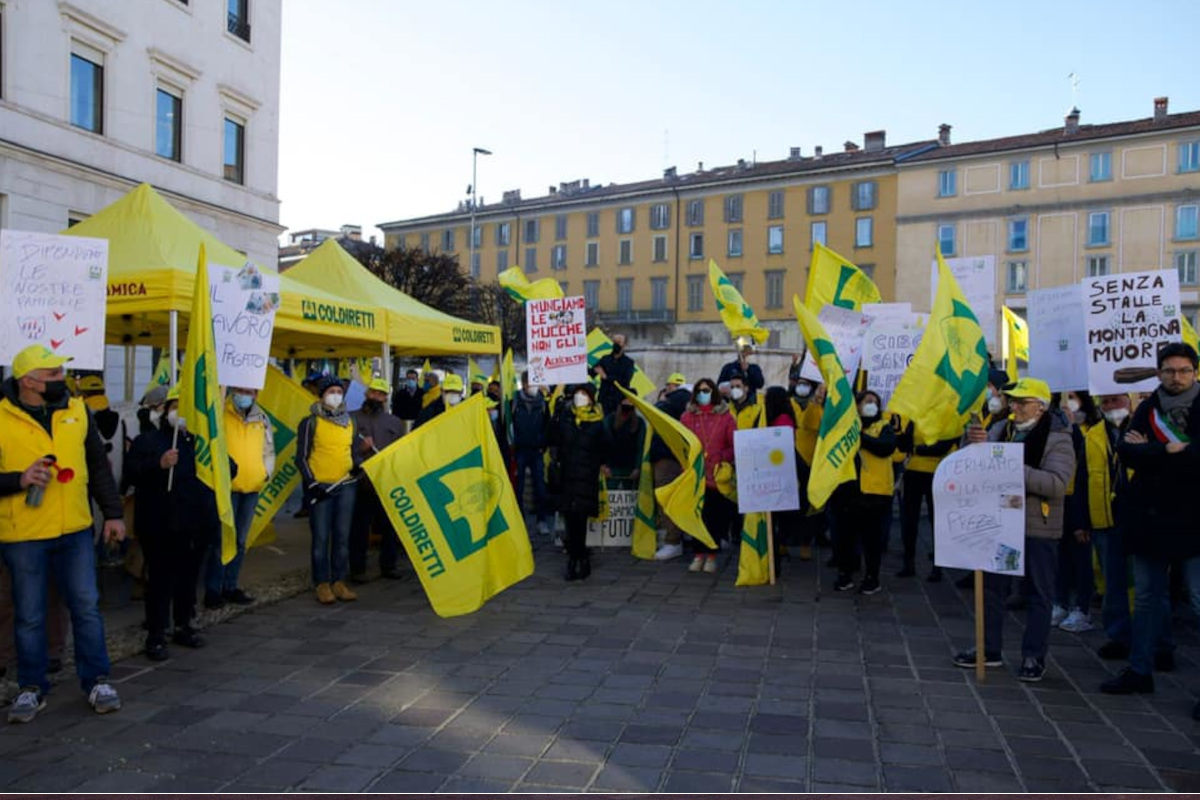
x=52 y=463
x=251 y=443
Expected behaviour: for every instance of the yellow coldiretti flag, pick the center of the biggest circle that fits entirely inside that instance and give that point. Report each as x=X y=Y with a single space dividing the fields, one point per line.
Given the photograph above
x=736 y=313
x=513 y=281
x=645 y=521
x=1189 y=333
x=683 y=498
x=285 y=404
x=202 y=407
x=162 y=373
x=753 y=567
x=836 y=281
x=841 y=428
x=948 y=374
x=599 y=345
x=1016 y=341
x=475 y=374
x=447 y=494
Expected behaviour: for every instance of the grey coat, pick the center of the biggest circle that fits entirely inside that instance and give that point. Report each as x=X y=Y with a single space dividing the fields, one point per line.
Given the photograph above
x=1046 y=484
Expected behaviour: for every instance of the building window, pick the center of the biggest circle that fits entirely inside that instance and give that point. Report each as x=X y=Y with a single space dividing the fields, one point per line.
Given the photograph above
x=1097 y=266
x=658 y=294
x=235 y=151
x=563 y=285
x=1018 y=175
x=593 y=224
x=558 y=257
x=531 y=259
x=1018 y=235
x=1189 y=157
x=87 y=92
x=591 y=295
x=818 y=200
x=503 y=234
x=868 y=270
x=775 y=205
x=774 y=296
x=695 y=213
x=660 y=216
x=625 y=295
x=1017 y=276
x=448 y=240
x=945 y=239
x=1097 y=229
x=947 y=183
x=625 y=220
x=735 y=243
x=168 y=125
x=864 y=232
x=820 y=233
x=1100 y=167
x=477 y=236
x=775 y=239
x=733 y=208
x=238 y=18
x=696 y=246
x=695 y=293
x=560 y=227
x=864 y=196
x=475 y=265
x=660 y=248
x=501 y=260
x=425 y=242
x=736 y=278
x=1187 y=222
x=625 y=249
x=533 y=230
x=1185 y=263
x=593 y=254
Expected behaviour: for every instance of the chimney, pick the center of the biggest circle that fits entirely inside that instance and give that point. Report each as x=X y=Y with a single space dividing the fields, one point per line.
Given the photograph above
x=874 y=141
x=1072 y=123
x=553 y=190
x=512 y=196
x=1160 y=109
x=850 y=147
x=818 y=151
x=741 y=163
x=587 y=182
x=794 y=154
x=669 y=174
x=944 y=135
x=699 y=166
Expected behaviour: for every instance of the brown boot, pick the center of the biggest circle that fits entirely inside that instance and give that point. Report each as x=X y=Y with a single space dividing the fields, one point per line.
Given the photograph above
x=342 y=592
x=324 y=594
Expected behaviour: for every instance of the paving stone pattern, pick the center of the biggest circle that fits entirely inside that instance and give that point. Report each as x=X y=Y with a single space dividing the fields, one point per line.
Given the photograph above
x=644 y=678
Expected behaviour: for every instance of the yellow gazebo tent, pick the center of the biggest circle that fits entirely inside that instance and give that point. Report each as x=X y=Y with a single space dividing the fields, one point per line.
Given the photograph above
x=413 y=328
x=152 y=252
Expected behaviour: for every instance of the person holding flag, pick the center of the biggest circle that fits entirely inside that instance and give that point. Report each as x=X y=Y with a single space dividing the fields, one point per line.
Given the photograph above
x=377 y=429
x=708 y=417
x=580 y=447
x=742 y=366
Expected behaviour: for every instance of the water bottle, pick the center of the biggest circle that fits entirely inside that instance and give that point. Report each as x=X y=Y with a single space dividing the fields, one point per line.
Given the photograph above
x=35 y=494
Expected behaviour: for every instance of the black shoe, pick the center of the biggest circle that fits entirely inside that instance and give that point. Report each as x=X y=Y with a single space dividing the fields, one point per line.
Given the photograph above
x=157 y=650
x=1164 y=661
x=391 y=574
x=572 y=569
x=844 y=583
x=966 y=659
x=213 y=601
x=54 y=666
x=935 y=576
x=585 y=568
x=1032 y=670
x=1113 y=651
x=966 y=581
x=238 y=597
x=870 y=586
x=1129 y=682
x=188 y=637
x=907 y=571
x=359 y=578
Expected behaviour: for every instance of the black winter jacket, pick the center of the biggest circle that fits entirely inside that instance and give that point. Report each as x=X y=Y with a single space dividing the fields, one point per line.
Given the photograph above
x=530 y=418
x=673 y=404
x=580 y=451
x=190 y=505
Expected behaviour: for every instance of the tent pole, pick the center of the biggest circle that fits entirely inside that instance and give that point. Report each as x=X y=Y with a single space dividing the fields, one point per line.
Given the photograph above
x=385 y=366
x=130 y=364
x=173 y=343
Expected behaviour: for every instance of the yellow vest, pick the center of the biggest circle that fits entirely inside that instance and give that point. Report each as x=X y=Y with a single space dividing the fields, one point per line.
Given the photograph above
x=65 y=507
x=808 y=428
x=245 y=442
x=876 y=475
x=1097 y=455
x=748 y=417
x=330 y=459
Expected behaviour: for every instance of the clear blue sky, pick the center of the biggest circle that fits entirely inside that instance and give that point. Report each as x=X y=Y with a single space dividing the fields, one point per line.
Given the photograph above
x=382 y=100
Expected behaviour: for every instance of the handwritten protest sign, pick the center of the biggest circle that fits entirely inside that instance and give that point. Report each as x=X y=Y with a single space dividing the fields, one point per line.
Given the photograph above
x=976 y=276
x=766 y=469
x=244 y=302
x=889 y=349
x=889 y=312
x=846 y=327
x=617 y=530
x=556 y=335
x=1058 y=337
x=979 y=509
x=53 y=291
x=1128 y=318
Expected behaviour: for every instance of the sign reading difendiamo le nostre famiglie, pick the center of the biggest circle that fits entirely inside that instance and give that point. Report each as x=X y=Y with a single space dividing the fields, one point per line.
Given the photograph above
x=1129 y=318
x=556 y=337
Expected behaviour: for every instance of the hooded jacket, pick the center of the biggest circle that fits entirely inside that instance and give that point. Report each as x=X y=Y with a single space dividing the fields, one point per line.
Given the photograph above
x=581 y=448
x=530 y=418
x=1046 y=480
x=714 y=427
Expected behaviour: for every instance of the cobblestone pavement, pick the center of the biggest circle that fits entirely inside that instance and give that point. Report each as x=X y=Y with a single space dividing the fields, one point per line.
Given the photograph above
x=644 y=678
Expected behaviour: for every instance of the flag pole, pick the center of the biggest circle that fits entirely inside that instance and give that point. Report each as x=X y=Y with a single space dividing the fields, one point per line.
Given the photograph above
x=771 y=548
x=174 y=442
x=980 y=657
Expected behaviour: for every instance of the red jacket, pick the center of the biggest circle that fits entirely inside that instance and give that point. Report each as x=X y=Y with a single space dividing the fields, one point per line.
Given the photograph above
x=714 y=427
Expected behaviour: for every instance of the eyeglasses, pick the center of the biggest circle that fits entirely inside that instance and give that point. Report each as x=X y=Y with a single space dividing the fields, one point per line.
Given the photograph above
x=1167 y=372
x=1022 y=401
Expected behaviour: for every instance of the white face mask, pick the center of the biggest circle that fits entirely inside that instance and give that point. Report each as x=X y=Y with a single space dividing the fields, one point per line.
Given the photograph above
x=1073 y=406
x=582 y=400
x=1116 y=415
x=803 y=390
x=333 y=400
x=995 y=405
x=531 y=391
x=869 y=409
x=737 y=393
x=155 y=416
x=173 y=418
x=1024 y=426
x=453 y=398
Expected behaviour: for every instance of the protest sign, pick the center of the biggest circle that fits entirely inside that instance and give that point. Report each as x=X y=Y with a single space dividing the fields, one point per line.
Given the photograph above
x=889 y=312
x=976 y=276
x=766 y=469
x=1128 y=318
x=617 y=530
x=847 y=328
x=556 y=337
x=53 y=291
x=1057 y=337
x=979 y=509
x=887 y=352
x=244 y=301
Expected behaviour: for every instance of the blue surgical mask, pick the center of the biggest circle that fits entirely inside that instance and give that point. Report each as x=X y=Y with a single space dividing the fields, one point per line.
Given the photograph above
x=411 y=383
x=704 y=398
x=243 y=401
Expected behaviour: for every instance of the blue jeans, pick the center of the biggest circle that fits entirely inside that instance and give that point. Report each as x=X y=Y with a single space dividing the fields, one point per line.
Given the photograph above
x=1114 y=564
x=531 y=459
x=220 y=577
x=1041 y=555
x=330 y=521
x=71 y=559
x=1075 y=578
x=1152 y=606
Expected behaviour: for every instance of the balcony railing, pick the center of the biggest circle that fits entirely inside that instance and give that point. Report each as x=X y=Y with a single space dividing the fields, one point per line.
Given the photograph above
x=239 y=27
x=647 y=316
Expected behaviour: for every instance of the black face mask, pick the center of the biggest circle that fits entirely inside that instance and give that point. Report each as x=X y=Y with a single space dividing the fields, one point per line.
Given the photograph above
x=616 y=351
x=372 y=405
x=54 y=391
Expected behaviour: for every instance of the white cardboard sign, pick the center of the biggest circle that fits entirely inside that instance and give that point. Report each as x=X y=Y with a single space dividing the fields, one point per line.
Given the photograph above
x=556 y=336
x=1057 y=337
x=889 y=349
x=766 y=469
x=1128 y=318
x=617 y=530
x=979 y=509
x=976 y=276
x=244 y=302
x=846 y=328
x=53 y=291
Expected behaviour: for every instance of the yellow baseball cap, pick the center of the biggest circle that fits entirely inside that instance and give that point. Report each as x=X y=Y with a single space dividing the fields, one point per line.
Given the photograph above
x=36 y=356
x=452 y=383
x=1030 y=387
x=173 y=393
x=90 y=383
x=677 y=377
x=379 y=385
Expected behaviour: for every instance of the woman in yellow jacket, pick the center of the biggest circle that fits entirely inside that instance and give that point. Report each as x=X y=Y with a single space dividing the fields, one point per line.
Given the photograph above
x=861 y=504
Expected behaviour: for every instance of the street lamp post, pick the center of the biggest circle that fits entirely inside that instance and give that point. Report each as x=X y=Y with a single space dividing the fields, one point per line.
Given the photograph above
x=475 y=153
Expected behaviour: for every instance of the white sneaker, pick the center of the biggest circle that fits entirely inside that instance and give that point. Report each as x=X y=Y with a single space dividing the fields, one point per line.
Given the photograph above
x=104 y=698
x=1076 y=622
x=668 y=552
x=1057 y=615
x=697 y=564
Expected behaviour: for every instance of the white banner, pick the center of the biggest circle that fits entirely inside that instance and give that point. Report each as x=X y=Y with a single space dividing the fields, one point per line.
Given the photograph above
x=556 y=338
x=53 y=291
x=244 y=302
x=846 y=328
x=1057 y=337
x=766 y=469
x=617 y=530
x=1128 y=318
x=889 y=312
x=976 y=276
x=979 y=509
x=889 y=349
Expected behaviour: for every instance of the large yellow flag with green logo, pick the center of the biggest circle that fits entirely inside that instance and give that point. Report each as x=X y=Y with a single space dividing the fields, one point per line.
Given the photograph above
x=645 y=522
x=683 y=498
x=1016 y=341
x=736 y=313
x=841 y=428
x=446 y=491
x=599 y=345
x=475 y=374
x=202 y=407
x=946 y=379
x=753 y=567
x=285 y=404
x=1189 y=333
x=519 y=288
x=836 y=281
x=162 y=373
